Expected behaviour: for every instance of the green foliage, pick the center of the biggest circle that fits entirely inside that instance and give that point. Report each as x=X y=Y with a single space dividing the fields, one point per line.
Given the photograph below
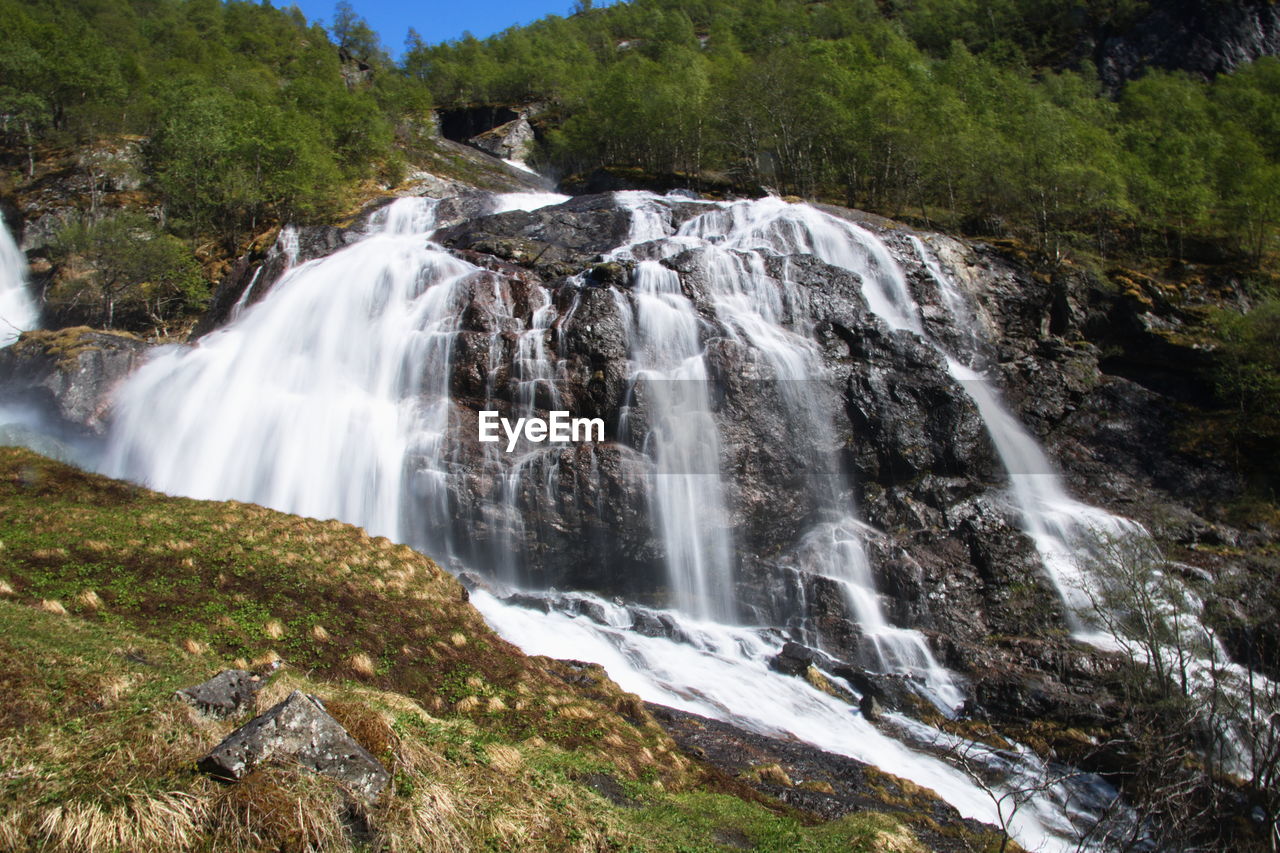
x=1247 y=378
x=934 y=107
x=228 y=163
x=1249 y=358
x=253 y=115
x=354 y=35
x=123 y=272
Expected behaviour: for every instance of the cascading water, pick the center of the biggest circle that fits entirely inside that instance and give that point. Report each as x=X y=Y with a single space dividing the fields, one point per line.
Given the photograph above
x=688 y=504
x=1061 y=528
x=753 y=306
x=331 y=397
x=18 y=311
x=336 y=347
x=1079 y=545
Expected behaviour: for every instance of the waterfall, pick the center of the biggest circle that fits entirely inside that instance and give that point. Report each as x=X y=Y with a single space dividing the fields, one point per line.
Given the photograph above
x=300 y=403
x=330 y=397
x=18 y=311
x=753 y=306
x=1079 y=545
x=1065 y=531
x=720 y=671
x=686 y=491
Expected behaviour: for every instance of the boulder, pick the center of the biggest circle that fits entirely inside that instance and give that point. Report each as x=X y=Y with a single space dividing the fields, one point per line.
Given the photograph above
x=298 y=730
x=510 y=141
x=68 y=375
x=794 y=659
x=553 y=241
x=228 y=694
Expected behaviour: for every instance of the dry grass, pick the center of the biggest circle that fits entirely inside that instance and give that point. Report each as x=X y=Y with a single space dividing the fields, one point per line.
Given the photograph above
x=362 y=665
x=167 y=821
x=370 y=728
x=278 y=808
x=772 y=774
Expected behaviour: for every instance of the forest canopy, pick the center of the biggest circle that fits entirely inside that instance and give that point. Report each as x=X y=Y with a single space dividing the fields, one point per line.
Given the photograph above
x=982 y=115
x=250 y=114
x=983 y=112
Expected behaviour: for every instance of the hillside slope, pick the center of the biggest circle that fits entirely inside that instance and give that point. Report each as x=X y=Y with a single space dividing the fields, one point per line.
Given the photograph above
x=115 y=597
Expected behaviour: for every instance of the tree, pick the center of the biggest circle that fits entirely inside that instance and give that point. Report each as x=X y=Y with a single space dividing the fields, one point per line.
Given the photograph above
x=1202 y=727
x=354 y=35
x=1172 y=141
x=230 y=163
x=122 y=272
x=22 y=116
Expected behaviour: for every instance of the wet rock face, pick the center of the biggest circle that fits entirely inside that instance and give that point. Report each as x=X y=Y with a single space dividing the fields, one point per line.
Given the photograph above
x=554 y=242
x=882 y=430
x=806 y=778
x=909 y=438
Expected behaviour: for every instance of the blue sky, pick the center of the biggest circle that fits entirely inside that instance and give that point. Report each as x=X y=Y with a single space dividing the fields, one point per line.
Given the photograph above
x=435 y=20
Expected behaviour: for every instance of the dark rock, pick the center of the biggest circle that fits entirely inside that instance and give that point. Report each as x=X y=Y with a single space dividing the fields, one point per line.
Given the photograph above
x=870 y=707
x=656 y=624
x=1200 y=36
x=794 y=659
x=298 y=730
x=68 y=375
x=530 y=602
x=554 y=241
x=356 y=73
x=826 y=785
x=461 y=124
x=228 y=694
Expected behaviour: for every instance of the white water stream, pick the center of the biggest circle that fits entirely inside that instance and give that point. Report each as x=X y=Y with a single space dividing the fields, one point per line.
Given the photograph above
x=330 y=398
x=18 y=311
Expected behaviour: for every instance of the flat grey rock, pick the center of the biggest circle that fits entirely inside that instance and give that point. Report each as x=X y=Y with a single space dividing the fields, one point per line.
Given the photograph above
x=298 y=730
x=227 y=694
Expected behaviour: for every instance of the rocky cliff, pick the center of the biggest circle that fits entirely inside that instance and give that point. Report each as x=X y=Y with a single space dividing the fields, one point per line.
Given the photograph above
x=1204 y=37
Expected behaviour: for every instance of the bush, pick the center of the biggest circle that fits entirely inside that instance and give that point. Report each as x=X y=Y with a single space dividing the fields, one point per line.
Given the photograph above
x=1247 y=379
x=123 y=272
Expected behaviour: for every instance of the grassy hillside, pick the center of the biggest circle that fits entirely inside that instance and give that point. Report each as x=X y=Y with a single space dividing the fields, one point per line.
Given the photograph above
x=112 y=597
